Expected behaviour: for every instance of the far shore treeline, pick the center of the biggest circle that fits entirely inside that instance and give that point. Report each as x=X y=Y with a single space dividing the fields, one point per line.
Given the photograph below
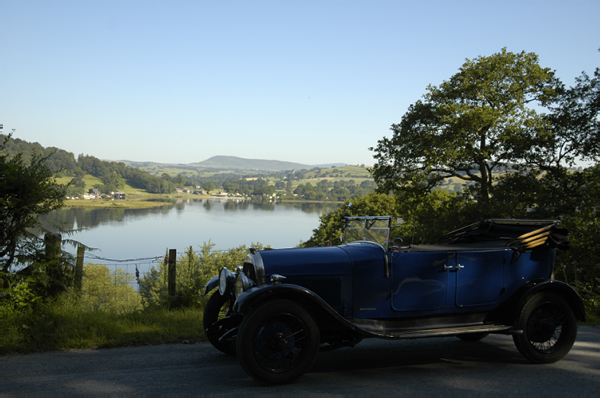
x=86 y=171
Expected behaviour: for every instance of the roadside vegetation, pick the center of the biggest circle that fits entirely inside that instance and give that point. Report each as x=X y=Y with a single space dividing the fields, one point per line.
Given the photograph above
x=502 y=138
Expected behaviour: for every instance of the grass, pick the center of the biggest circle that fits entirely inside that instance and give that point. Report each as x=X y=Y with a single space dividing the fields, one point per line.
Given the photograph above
x=114 y=204
x=66 y=325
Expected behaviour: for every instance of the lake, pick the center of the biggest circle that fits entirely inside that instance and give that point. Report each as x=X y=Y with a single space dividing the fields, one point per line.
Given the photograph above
x=136 y=234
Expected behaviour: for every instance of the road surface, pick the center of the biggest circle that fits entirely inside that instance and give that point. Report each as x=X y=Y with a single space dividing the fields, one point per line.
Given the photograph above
x=375 y=367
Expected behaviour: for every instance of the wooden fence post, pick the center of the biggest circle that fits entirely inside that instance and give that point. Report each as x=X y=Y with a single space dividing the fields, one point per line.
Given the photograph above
x=79 y=267
x=172 y=271
x=52 y=242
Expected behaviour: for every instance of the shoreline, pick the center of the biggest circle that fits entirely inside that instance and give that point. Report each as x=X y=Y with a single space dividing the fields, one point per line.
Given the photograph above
x=148 y=201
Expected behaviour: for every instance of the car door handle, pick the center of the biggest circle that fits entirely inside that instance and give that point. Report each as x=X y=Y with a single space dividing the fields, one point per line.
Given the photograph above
x=451 y=268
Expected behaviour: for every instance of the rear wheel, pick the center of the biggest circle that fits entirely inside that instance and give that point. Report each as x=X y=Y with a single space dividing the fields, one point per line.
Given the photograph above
x=549 y=328
x=215 y=311
x=278 y=342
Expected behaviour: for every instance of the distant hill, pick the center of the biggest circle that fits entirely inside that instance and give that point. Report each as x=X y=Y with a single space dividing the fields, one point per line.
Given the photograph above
x=233 y=163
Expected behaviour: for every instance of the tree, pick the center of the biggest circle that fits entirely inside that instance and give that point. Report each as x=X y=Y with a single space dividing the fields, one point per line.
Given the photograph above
x=546 y=185
x=467 y=127
x=209 y=186
x=575 y=126
x=26 y=192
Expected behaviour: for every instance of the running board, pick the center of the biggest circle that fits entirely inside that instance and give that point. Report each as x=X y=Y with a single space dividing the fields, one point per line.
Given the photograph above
x=437 y=332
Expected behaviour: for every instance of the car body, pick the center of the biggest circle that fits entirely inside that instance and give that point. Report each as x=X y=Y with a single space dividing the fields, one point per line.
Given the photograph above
x=495 y=276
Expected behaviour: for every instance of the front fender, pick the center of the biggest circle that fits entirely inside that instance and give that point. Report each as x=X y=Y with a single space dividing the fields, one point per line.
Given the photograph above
x=323 y=313
x=212 y=283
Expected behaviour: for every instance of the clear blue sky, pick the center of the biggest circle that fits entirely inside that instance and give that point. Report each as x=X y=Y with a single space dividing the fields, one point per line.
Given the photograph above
x=304 y=81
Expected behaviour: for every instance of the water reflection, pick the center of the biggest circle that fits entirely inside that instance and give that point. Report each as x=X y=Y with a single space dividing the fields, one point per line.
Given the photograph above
x=90 y=218
x=143 y=233
x=74 y=218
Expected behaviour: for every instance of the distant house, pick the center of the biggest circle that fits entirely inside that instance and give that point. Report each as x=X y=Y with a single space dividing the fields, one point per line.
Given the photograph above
x=93 y=193
x=118 y=195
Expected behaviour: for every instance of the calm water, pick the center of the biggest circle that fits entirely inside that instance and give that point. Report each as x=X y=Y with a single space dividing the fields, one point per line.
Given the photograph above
x=140 y=233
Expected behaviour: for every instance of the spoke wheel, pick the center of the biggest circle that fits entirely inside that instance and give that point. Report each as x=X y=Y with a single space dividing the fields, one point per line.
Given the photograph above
x=216 y=309
x=549 y=328
x=277 y=342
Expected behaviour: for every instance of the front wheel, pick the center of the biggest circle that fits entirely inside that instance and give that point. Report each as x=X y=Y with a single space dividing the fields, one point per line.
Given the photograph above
x=549 y=328
x=215 y=311
x=277 y=342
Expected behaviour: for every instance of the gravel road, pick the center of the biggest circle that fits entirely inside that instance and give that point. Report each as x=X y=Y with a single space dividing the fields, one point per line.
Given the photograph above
x=440 y=366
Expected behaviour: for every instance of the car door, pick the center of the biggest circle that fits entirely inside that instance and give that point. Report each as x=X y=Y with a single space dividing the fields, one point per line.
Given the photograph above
x=419 y=280
x=479 y=277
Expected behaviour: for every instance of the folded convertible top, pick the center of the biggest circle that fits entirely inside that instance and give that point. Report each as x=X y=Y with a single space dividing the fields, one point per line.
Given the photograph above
x=519 y=235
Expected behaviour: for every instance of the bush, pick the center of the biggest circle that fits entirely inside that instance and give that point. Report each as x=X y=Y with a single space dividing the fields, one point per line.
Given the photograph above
x=194 y=270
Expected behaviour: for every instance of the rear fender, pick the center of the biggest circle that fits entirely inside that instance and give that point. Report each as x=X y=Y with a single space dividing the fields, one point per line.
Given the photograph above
x=549 y=286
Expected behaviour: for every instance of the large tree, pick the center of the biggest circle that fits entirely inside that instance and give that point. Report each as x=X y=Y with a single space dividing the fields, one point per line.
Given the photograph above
x=480 y=120
x=27 y=190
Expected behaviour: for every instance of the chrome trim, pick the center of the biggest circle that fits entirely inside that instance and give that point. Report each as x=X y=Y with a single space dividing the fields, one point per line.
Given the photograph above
x=241 y=284
x=277 y=279
x=226 y=279
x=259 y=268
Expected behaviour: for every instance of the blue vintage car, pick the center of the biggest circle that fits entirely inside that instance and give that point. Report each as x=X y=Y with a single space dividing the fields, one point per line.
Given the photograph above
x=279 y=308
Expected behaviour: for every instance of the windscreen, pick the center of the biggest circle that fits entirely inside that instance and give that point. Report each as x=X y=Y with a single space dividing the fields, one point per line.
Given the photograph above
x=372 y=230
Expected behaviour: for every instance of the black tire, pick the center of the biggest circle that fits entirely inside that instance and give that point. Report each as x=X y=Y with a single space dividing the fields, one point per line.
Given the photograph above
x=471 y=337
x=215 y=310
x=549 y=328
x=278 y=342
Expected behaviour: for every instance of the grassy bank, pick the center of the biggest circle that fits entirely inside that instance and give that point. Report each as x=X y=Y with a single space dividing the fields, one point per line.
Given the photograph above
x=66 y=325
x=119 y=204
x=134 y=200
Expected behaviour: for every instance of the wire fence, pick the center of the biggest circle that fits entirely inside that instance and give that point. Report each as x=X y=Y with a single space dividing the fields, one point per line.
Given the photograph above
x=112 y=284
x=115 y=283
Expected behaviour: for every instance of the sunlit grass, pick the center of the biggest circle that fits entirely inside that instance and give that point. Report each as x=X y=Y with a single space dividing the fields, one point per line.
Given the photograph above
x=67 y=324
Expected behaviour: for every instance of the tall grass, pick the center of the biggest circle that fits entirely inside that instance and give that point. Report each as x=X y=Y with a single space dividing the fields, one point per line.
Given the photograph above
x=67 y=323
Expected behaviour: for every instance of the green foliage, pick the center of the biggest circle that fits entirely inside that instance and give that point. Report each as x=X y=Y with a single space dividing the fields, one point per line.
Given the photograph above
x=194 y=270
x=27 y=190
x=467 y=127
x=103 y=289
x=331 y=223
x=32 y=270
x=114 y=175
x=209 y=186
x=68 y=323
x=326 y=190
x=58 y=160
x=20 y=295
x=248 y=186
